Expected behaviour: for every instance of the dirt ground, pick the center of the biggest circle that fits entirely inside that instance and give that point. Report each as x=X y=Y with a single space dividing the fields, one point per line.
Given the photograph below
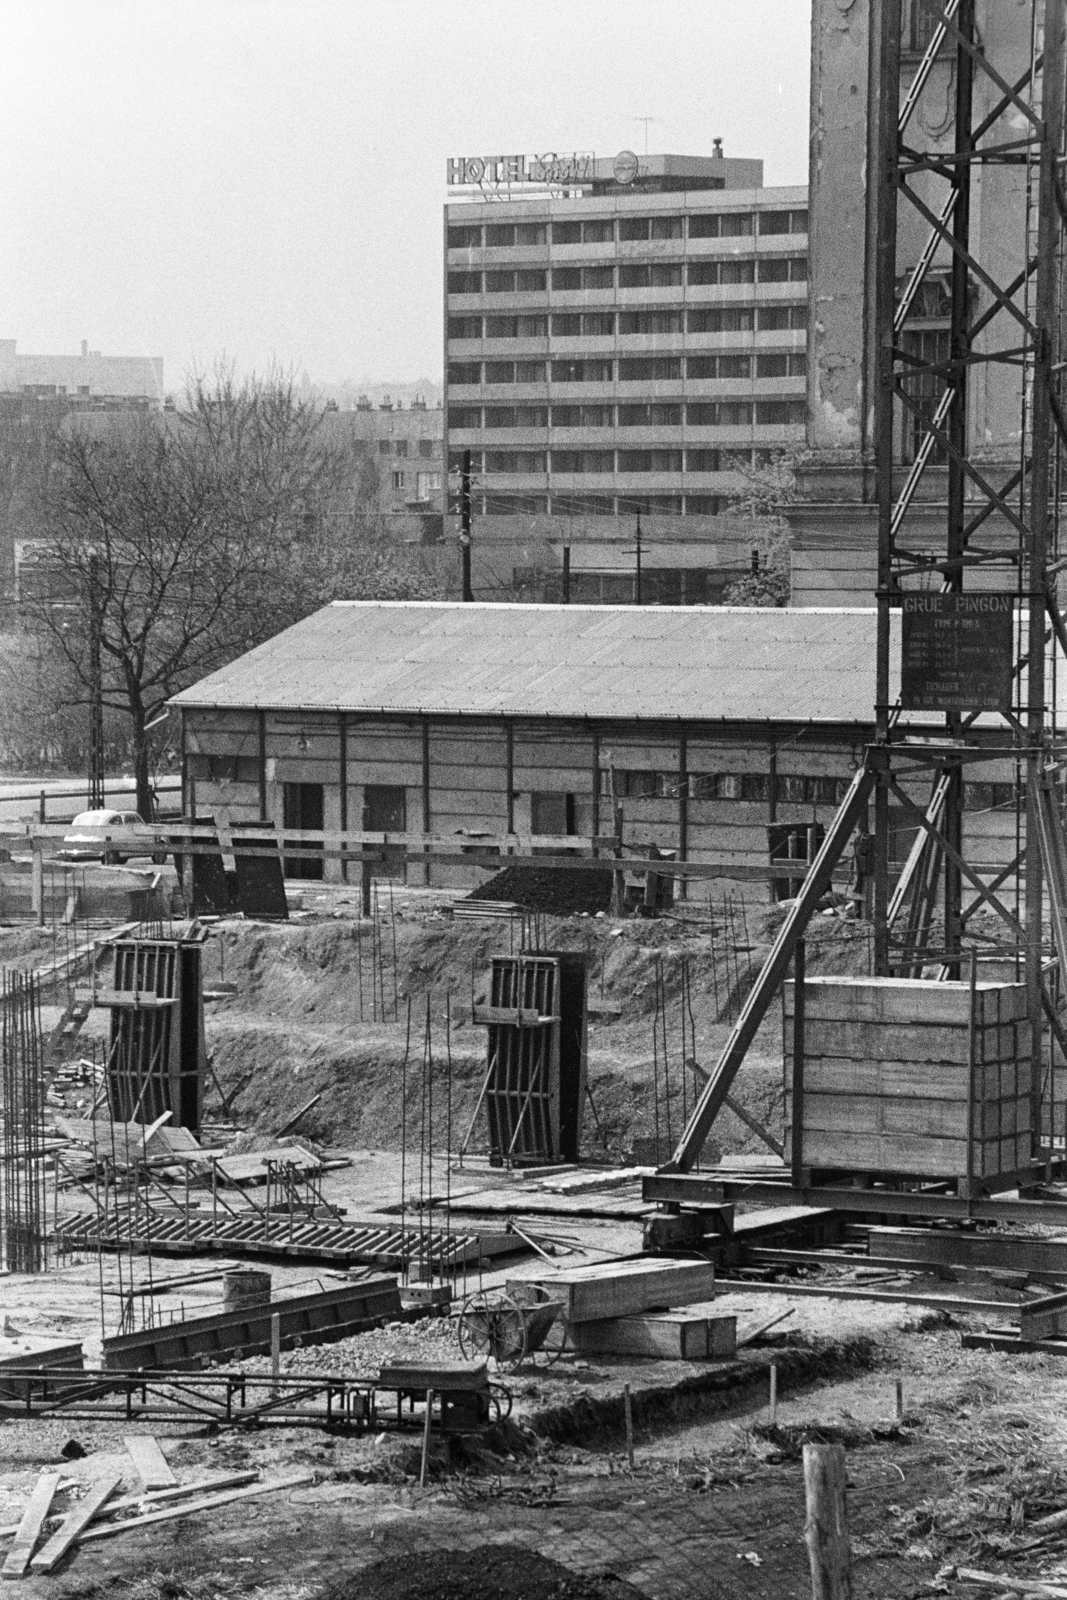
x=546 y=1506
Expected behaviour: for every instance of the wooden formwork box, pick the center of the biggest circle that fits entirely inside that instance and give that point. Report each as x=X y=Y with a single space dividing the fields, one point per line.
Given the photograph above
x=157 y=1052
x=535 y=1087
x=913 y=1078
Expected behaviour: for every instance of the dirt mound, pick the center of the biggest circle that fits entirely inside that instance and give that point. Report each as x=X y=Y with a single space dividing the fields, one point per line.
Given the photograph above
x=558 y=892
x=322 y=1004
x=494 y=1572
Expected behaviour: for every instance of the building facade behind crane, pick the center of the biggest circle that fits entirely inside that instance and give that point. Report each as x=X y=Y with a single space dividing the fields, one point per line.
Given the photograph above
x=622 y=336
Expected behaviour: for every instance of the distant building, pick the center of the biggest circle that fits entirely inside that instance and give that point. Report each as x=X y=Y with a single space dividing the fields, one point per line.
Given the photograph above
x=87 y=377
x=408 y=448
x=622 y=336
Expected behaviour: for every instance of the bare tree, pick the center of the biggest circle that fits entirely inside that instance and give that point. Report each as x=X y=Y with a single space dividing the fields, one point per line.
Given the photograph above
x=174 y=542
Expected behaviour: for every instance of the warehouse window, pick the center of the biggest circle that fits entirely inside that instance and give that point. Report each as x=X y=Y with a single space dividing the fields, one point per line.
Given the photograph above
x=224 y=769
x=704 y=505
x=398 y=480
x=383 y=447
x=650 y=505
x=426 y=448
x=464 y=372
x=566 y=233
x=702 y=460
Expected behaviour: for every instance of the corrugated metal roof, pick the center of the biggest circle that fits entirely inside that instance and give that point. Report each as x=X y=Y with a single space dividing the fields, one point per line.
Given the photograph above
x=721 y=663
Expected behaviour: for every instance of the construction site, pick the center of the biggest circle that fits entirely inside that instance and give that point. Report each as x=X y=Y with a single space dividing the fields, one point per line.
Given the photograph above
x=573 y=1104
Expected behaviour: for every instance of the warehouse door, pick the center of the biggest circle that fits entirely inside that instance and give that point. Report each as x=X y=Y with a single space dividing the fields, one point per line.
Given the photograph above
x=385 y=810
x=302 y=808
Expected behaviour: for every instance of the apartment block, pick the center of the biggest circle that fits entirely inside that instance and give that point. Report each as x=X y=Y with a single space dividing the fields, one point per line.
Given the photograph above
x=631 y=343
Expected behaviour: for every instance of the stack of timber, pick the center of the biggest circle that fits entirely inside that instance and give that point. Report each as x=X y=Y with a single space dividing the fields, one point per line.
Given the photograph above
x=631 y=1308
x=906 y=1077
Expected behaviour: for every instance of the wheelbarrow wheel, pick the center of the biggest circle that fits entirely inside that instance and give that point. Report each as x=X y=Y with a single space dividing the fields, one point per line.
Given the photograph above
x=557 y=1340
x=492 y=1326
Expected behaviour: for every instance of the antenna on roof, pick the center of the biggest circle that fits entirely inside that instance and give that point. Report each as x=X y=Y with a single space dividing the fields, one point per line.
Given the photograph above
x=646 y=121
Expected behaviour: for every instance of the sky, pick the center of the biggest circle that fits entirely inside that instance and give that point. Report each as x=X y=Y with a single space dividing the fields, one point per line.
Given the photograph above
x=262 y=180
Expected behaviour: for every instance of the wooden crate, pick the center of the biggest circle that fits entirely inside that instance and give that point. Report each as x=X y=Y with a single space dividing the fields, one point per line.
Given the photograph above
x=897 y=1076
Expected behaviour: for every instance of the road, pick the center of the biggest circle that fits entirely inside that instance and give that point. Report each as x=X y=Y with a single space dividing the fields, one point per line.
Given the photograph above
x=65 y=797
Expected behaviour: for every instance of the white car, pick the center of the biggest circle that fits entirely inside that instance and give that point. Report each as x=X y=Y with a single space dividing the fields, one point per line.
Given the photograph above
x=85 y=841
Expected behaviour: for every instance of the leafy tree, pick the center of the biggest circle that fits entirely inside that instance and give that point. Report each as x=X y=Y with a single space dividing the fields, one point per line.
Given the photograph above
x=177 y=541
x=764 y=492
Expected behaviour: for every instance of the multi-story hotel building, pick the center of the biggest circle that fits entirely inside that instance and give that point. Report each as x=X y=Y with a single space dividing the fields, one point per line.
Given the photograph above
x=622 y=336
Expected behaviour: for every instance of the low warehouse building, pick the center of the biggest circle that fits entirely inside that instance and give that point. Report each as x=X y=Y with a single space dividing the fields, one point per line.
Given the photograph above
x=721 y=730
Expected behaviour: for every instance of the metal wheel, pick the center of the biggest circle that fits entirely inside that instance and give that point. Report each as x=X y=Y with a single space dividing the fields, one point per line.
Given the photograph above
x=492 y=1327
x=557 y=1340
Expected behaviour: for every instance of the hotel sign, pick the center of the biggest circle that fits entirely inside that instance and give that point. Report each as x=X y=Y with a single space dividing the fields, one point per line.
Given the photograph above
x=464 y=171
x=957 y=652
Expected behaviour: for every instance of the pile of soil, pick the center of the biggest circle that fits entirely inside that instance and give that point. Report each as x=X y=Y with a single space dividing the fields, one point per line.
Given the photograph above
x=556 y=891
x=494 y=1572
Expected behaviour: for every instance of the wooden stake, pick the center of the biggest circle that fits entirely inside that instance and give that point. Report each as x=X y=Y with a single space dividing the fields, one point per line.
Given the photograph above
x=826 y=1525
x=628 y=1404
x=900 y=1400
x=426 y=1439
x=18 y=1557
x=774 y=1395
x=275 y=1351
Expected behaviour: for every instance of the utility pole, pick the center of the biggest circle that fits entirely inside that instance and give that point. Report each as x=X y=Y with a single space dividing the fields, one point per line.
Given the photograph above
x=566 y=574
x=465 y=523
x=96 y=693
x=637 y=584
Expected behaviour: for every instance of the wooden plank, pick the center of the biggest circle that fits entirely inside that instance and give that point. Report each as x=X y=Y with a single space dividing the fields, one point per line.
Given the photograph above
x=627 y=1288
x=149 y=1460
x=52 y=1553
x=18 y=1557
x=661 y=1335
x=1043 y=1319
x=913 y=1080
x=105 y=1530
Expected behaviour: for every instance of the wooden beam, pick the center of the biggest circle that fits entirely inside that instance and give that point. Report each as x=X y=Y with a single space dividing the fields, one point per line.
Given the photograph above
x=29 y=1528
x=105 y=1530
x=151 y=1464
x=52 y=1553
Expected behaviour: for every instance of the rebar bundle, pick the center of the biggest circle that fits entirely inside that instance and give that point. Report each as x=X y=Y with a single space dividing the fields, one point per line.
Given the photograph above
x=23 y=1244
